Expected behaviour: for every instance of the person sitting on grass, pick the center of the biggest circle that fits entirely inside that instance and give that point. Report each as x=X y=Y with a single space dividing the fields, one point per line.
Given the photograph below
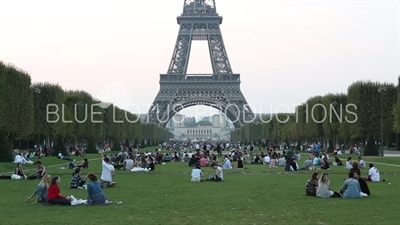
x=227 y=163
x=95 y=194
x=41 y=190
x=307 y=164
x=129 y=163
x=361 y=163
x=106 y=173
x=325 y=164
x=338 y=161
x=84 y=164
x=351 y=187
x=41 y=170
x=240 y=163
x=219 y=175
x=312 y=185
x=204 y=161
x=363 y=185
x=53 y=193
x=60 y=156
x=197 y=174
x=349 y=164
x=373 y=174
x=19 y=171
x=355 y=168
x=77 y=180
x=274 y=162
x=323 y=190
x=150 y=164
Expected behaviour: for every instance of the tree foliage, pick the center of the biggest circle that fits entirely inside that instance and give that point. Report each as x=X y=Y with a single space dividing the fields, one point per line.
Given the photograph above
x=396 y=110
x=343 y=118
x=16 y=110
x=45 y=113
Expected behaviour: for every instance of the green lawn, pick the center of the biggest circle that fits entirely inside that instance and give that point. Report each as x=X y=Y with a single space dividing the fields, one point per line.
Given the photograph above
x=256 y=195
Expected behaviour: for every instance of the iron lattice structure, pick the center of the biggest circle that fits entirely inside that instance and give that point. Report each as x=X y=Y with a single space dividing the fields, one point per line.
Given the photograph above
x=220 y=90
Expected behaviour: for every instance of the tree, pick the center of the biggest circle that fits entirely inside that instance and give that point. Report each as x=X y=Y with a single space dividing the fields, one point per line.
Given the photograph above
x=366 y=102
x=17 y=104
x=371 y=149
x=396 y=110
x=59 y=147
x=48 y=100
x=5 y=154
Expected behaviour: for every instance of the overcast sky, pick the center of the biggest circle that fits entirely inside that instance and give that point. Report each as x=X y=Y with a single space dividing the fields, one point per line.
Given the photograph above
x=285 y=51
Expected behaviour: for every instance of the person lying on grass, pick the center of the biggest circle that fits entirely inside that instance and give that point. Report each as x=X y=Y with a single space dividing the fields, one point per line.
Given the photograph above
x=41 y=190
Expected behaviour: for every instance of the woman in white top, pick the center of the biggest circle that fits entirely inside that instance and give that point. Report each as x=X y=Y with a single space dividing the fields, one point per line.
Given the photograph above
x=349 y=164
x=197 y=174
x=323 y=190
x=227 y=163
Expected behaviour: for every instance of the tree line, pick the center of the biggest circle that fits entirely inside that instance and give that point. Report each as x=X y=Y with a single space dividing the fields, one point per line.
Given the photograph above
x=44 y=113
x=349 y=118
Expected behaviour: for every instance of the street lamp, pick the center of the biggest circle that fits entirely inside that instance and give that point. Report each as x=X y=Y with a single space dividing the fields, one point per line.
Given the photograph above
x=381 y=89
x=334 y=103
x=37 y=91
x=104 y=134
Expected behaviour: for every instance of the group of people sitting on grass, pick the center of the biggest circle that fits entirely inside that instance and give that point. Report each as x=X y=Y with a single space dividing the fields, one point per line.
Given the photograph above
x=354 y=186
x=48 y=192
x=133 y=161
x=20 y=174
x=20 y=158
x=198 y=175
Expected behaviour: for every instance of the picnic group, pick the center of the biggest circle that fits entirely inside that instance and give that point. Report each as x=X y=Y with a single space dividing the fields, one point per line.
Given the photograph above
x=203 y=155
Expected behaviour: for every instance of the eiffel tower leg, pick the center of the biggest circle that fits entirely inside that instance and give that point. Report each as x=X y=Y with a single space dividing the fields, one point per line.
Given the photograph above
x=180 y=57
x=219 y=56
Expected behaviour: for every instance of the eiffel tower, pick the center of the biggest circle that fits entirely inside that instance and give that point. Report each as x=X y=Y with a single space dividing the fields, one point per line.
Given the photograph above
x=221 y=90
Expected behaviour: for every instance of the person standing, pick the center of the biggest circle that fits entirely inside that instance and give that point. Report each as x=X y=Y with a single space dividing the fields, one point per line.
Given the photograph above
x=289 y=159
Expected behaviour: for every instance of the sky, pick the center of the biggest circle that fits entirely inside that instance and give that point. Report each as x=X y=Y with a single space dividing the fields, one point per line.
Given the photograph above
x=285 y=51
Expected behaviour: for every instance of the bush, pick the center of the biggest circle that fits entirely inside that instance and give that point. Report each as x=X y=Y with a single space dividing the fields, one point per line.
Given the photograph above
x=116 y=146
x=298 y=146
x=5 y=151
x=91 y=147
x=371 y=149
x=331 y=147
x=142 y=144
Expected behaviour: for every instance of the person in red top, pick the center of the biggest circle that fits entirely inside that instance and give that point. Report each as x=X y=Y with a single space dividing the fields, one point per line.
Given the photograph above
x=53 y=193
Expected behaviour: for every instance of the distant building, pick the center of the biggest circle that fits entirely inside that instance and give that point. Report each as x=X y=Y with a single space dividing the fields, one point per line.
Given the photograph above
x=215 y=127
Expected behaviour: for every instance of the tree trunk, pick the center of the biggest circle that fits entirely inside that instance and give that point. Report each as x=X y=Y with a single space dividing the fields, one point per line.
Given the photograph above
x=5 y=153
x=397 y=142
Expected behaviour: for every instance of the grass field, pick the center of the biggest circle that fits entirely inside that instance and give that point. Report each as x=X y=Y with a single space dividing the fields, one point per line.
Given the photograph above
x=255 y=195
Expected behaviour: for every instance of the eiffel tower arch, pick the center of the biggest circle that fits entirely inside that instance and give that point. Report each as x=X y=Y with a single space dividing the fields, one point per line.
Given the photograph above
x=221 y=90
